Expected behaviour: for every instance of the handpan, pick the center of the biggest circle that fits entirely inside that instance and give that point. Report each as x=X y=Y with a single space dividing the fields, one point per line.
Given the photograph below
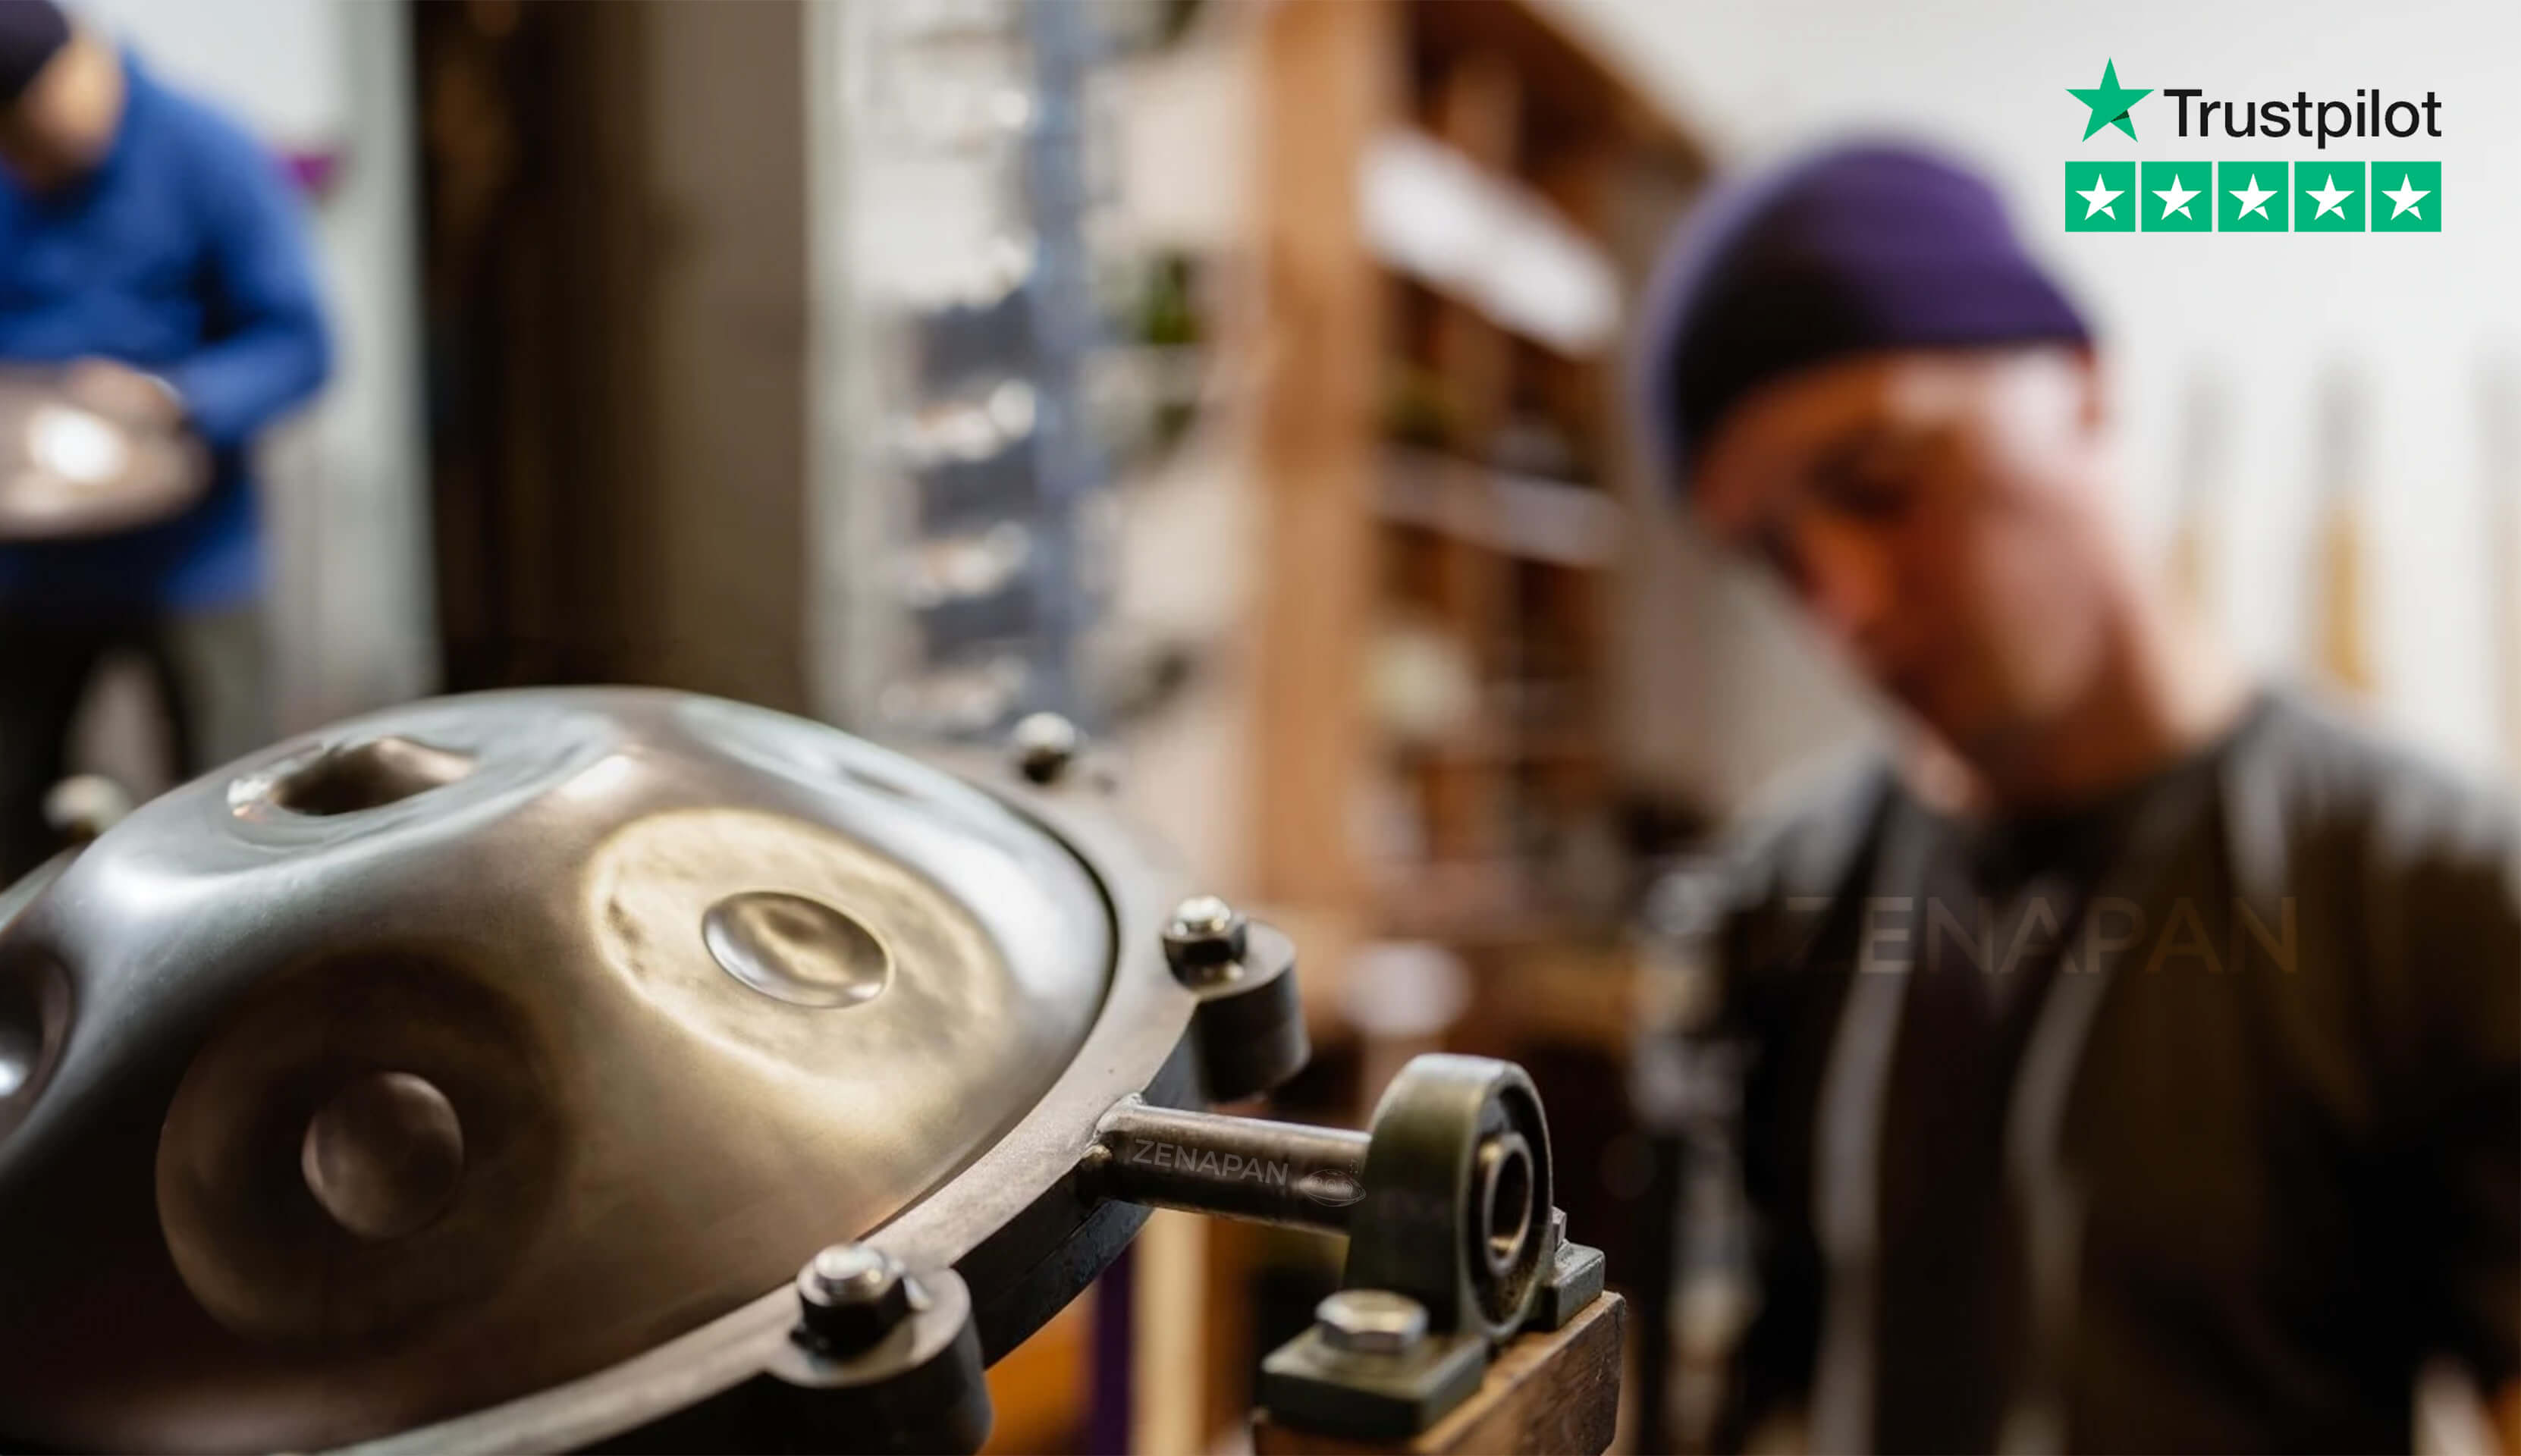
x=68 y=470
x=563 y=1068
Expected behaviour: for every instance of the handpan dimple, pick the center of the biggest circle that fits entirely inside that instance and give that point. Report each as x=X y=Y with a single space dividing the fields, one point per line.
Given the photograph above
x=384 y=1156
x=796 y=949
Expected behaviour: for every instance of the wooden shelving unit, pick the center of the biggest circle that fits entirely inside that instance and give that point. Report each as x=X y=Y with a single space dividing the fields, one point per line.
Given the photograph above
x=1421 y=526
x=1444 y=519
x=1443 y=495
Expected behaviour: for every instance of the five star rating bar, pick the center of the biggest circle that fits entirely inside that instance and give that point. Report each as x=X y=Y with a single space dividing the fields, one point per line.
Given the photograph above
x=2253 y=197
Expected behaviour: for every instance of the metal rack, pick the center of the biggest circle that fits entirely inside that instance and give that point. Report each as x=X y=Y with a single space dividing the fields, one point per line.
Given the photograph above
x=962 y=585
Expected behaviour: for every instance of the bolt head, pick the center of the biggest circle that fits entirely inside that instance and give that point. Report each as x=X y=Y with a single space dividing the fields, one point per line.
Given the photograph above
x=853 y=1273
x=1045 y=746
x=1205 y=938
x=1203 y=915
x=1371 y=1322
x=83 y=806
x=849 y=1296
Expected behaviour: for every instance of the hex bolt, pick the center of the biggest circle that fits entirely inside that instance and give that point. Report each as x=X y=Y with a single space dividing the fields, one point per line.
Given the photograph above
x=1047 y=746
x=83 y=806
x=849 y=1296
x=1205 y=939
x=1371 y=1322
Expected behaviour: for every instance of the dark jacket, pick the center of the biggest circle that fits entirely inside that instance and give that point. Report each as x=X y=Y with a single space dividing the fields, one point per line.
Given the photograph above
x=2282 y=1164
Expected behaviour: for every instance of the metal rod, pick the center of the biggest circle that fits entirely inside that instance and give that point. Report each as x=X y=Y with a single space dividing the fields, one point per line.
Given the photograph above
x=1238 y=1168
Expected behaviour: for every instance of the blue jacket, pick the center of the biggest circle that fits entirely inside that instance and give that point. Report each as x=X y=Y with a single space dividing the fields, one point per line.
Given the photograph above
x=183 y=253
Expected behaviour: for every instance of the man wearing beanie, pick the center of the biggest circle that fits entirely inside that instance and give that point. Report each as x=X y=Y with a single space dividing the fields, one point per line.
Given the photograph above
x=2134 y=1063
x=153 y=253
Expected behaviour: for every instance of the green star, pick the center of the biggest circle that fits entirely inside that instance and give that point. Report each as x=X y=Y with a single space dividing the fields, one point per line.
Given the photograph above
x=2109 y=102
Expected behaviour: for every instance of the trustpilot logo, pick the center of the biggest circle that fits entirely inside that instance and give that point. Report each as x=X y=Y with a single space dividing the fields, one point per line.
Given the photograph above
x=2325 y=194
x=2112 y=103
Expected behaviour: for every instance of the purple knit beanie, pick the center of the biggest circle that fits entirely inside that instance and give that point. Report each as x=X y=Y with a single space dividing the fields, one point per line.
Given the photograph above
x=1853 y=249
x=32 y=32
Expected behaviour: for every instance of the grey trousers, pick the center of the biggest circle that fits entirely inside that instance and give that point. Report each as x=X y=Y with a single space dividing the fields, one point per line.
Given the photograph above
x=210 y=669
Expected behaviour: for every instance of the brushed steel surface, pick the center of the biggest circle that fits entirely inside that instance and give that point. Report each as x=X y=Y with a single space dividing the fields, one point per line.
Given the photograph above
x=799 y=950
x=507 y=900
x=384 y=1156
x=1018 y=1222
x=1293 y=1175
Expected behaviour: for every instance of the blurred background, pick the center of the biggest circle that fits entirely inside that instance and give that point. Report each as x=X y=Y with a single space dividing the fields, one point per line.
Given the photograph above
x=1243 y=380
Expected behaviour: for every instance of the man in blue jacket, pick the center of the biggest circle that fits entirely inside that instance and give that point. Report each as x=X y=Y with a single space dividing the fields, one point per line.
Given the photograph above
x=150 y=248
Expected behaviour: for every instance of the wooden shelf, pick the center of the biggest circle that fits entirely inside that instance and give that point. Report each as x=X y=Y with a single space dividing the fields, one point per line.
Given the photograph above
x=1488 y=243
x=1433 y=491
x=1488 y=901
x=1443 y=484
x=1430 y=460
x=1525 y=516
x=1489 y=744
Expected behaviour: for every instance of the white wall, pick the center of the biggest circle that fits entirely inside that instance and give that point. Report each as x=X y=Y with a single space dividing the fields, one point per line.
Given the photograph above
x=274 y=63
x=346 y=486
x=2417 y=318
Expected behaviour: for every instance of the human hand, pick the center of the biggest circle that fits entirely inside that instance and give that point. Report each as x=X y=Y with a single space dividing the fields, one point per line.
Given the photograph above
x=125 y=394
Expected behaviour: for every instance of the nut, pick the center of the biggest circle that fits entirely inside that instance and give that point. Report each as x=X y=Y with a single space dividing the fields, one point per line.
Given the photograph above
x=1372 y=1322
x=83 y=806
x=849 y=1296
x=1205 y=937
x=1046 y=745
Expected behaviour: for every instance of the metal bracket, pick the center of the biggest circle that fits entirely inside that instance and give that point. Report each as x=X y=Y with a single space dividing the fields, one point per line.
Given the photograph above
x=1576 y=1279
x=1249 y=1025
x=884 y=1360
x=1456 y=1213
x=1311 y=1382
x=1454 y=1243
